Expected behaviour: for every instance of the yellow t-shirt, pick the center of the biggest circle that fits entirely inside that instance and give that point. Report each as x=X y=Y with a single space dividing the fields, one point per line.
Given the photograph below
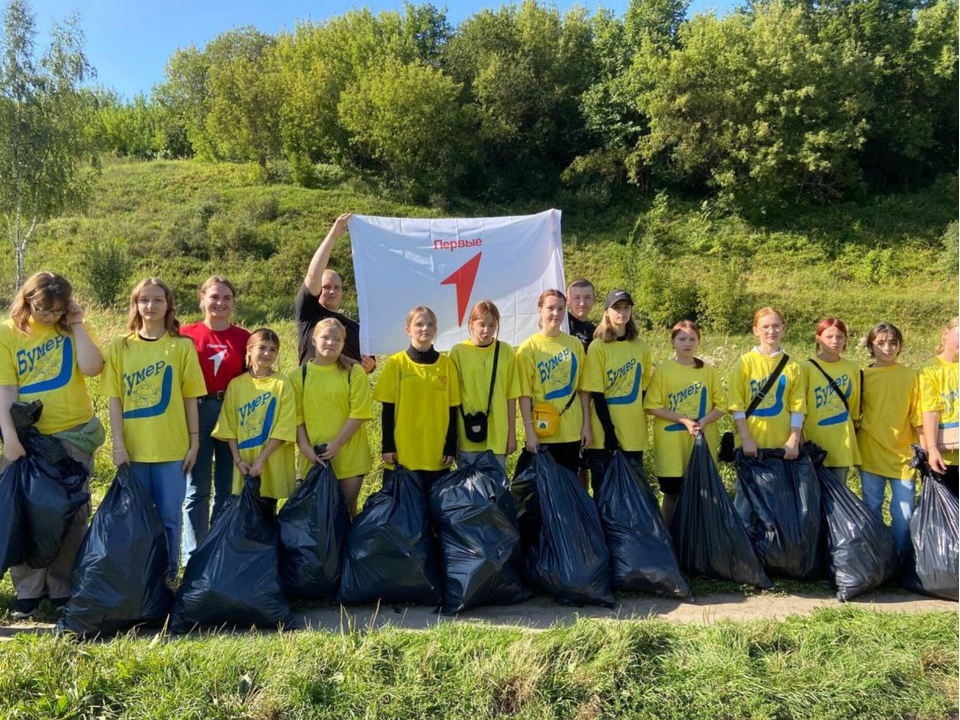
x=333 y=397
x=550 y=371
x=422 y=396
x=827 y=422
x=891 y=414
x=939 y=387
x=692 y=392
x=42 y=364
x=621 y=370
x=254 y=411
x=770 y=422
x=151 y=378
x=474 y=366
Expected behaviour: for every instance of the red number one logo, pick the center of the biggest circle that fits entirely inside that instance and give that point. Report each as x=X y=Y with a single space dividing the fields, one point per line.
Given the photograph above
x=463 y=278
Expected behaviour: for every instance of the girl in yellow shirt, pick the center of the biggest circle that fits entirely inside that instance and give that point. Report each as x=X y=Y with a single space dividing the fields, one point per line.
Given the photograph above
x=830 y=418
x=258 y=421
x=686 y=398
x=939 y=388
x=333 y=408
x=45 y=353
x=618 y=370
x=153 y=379
x=778 y=418
x=891 y=414
x=475 y=359
x=551 y=369
x=420 y=392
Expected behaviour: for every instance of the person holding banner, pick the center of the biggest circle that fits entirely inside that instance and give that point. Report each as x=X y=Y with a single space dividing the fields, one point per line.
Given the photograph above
x=319 y=298
x=556 y=413
x=618 y=370
x=489 y=387
x=420 y=392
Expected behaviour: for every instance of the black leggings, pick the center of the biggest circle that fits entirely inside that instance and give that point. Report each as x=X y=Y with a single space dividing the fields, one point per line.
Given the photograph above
x=950 y=478
x=598 y=461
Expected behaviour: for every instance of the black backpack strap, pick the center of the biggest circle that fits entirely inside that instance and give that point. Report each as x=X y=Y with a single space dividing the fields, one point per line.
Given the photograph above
x=771 y=381
x=833 y=384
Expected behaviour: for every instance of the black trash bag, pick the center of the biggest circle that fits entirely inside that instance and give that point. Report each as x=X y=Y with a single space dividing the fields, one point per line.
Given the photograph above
x=708 y=536
x=641 y=550
x=314 y=523
x=392 y=555
x=564 y=551
x=232 y=578
x=52 y=487
x=858 y=549
x=12 y=528
x=473 y=512
x=119 y=577
x=930 y=564
x=785 y=497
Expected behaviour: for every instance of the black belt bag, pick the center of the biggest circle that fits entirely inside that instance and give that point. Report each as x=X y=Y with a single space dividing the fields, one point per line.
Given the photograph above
x=475 y=424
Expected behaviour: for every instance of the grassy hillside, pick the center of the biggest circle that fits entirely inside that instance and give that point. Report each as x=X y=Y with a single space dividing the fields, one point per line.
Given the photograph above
x=184 y=220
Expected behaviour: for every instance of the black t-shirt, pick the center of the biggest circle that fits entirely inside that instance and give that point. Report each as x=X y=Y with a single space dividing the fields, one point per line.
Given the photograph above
x=308 y=312
x=581 y=329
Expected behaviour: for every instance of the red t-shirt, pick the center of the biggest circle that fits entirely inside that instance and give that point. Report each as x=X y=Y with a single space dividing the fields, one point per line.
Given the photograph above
x=221 y=353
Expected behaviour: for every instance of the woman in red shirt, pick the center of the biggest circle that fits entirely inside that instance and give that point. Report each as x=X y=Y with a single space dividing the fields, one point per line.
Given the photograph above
x=221 y=347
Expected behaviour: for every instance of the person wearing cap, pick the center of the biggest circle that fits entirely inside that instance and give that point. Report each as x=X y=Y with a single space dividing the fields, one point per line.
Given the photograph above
x=319 y=298
x=618 y=370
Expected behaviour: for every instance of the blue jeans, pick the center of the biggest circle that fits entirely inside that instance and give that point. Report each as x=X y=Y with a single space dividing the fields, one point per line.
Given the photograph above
x=902 y=494
x=215 y=462
x=167 y=486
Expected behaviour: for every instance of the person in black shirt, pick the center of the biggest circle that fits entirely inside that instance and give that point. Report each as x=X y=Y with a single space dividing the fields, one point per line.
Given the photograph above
x=581 y=296
x=319 y=298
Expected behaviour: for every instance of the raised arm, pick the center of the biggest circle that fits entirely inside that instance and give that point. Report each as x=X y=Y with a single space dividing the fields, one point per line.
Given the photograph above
x=321 y=258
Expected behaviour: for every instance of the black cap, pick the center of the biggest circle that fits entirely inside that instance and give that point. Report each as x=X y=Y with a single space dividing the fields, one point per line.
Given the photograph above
x=615 y=296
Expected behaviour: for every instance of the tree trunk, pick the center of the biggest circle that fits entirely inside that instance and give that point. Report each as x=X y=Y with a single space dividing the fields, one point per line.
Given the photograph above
x=20 y=254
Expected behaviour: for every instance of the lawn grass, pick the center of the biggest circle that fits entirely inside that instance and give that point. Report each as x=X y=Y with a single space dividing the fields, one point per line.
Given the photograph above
x=842 y=663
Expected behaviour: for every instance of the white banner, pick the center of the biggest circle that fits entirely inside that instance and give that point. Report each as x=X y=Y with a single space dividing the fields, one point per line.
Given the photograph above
x=449 y=265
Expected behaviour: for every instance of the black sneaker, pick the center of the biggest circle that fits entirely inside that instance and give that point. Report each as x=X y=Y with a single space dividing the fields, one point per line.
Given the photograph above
x=25 y=608
x=59 y=604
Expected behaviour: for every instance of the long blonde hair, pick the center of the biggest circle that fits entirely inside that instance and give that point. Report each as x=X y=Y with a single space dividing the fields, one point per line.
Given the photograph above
x=951 y=324
x=45 y=289
x=135 y=322
x=606 y=333
x=343 y=362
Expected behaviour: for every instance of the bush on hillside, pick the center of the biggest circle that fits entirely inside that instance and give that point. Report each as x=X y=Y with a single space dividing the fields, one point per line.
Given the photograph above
x=105 y=270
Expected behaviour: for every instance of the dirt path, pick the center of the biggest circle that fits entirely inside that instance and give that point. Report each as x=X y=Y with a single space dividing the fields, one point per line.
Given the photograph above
x=541 y=613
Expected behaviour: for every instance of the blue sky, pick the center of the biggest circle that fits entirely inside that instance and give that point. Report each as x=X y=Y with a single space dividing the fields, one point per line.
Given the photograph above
x=128 y=42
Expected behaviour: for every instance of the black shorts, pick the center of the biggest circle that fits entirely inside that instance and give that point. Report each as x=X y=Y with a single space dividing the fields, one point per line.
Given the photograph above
x=566 y=454
x=670 y=485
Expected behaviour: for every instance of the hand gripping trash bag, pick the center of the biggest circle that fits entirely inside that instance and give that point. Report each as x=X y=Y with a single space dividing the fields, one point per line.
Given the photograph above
x=708 y=536
x=930 y=565
x=859 y=552
x=392 y=555
x=232 y=578
x=12 y=529
x=564 y=551
x=52 y=487
x=119 y=575
x=314 y=523
x=473 y=512
x=785 y=497
x=641 y=550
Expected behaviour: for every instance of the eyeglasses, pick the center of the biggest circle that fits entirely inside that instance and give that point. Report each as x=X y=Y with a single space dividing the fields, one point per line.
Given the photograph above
x=48 y=313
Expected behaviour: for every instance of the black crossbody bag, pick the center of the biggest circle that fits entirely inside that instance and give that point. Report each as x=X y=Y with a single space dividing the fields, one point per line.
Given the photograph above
x=475 y=424
x=836 y=388
x=727 y=443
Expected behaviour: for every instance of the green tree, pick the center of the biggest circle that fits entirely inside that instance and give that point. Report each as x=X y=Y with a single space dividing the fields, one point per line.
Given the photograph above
x=757 y=107
x=407 y=118
x=44 y=122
